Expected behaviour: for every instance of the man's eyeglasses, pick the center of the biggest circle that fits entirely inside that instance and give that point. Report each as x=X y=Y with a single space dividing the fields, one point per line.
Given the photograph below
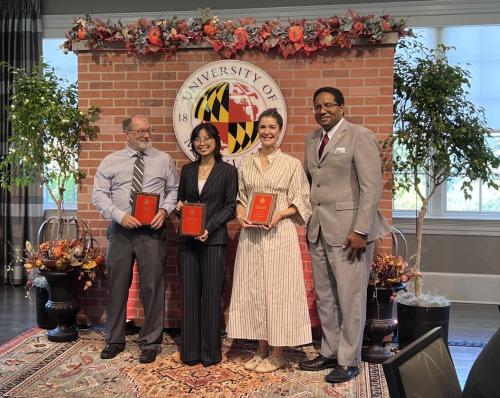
x=143 y=132
x=327 y=107
x=205 y=140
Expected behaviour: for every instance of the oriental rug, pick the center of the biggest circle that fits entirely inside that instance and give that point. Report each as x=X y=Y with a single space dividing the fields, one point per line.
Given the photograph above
x=31 y=366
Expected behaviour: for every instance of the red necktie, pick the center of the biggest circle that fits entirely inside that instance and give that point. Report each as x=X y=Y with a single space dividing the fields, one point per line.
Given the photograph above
x=324 y=141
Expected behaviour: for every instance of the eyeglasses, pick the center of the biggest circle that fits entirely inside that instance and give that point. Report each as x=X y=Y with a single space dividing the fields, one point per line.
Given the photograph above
x=205 y=140
x=143 y=132
x=327 y=107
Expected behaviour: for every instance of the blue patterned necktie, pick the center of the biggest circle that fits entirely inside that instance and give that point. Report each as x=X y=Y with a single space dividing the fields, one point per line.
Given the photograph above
x=138 y=175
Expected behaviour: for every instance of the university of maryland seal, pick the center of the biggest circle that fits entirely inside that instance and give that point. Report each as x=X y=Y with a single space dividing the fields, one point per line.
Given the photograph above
x=231 y=95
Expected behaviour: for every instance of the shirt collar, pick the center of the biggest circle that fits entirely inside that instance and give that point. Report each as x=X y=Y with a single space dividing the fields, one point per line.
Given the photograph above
x=333 y=130
x=131 y=152
x=273 y=155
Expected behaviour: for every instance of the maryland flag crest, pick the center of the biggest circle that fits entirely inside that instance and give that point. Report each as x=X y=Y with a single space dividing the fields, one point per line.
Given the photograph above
x=232 y=108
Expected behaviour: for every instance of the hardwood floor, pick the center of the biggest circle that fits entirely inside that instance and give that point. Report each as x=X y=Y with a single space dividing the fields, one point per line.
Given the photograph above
x=468 y=323
x=17 y=313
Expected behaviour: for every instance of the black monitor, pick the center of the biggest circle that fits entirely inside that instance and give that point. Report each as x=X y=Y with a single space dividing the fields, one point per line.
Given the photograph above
x=423 y=369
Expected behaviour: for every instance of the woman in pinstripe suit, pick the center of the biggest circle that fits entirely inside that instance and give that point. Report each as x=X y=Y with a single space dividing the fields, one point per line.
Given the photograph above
x=268 y=302
x=202 y=259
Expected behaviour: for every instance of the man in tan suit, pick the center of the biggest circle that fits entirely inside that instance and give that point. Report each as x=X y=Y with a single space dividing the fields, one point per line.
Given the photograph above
x=342 y=163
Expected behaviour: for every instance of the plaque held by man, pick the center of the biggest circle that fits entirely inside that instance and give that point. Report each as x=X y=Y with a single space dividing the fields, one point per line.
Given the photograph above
x=145 y=206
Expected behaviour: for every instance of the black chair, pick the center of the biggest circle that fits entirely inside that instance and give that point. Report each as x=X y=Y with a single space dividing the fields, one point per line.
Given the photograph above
x=424 y=368
x=484 y=380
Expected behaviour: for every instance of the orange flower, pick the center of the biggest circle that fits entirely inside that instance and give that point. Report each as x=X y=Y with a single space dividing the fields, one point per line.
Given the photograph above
x=154 y=37
x=57 y=251
x=240 y=38
x=241 y=35
x=82 y=33
x=209 y=29
x=296 y=33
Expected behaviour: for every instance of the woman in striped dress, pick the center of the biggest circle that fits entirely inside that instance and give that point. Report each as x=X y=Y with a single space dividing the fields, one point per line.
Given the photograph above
x=268 y=301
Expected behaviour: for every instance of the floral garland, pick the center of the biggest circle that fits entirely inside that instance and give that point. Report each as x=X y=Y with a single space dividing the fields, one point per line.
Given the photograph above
x=229 y=37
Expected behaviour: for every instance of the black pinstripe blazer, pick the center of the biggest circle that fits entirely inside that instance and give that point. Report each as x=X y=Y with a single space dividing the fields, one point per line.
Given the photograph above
x=218 y=193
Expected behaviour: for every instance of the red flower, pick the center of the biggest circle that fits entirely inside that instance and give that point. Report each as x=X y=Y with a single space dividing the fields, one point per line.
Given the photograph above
x=386 y=26
x=296 y=33
x=358 y=26
x=335 y=22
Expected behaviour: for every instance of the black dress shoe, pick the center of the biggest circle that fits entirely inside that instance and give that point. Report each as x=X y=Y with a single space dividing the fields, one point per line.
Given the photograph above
x=318 y=363
x=111 y=350
x=192 y=363
x=147 y=356
x=342 y=374
x=206 y=364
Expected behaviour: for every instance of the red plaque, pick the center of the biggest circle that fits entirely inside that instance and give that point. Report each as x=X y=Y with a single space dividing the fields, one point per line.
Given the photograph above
x=145 y=206
x=193 y=219
x=262 y=207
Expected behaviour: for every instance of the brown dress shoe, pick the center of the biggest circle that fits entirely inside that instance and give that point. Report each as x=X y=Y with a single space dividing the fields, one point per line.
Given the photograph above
x=318 y=363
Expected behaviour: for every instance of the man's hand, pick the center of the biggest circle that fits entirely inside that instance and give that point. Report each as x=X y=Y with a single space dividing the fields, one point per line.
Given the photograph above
x=356 y=243
x=159 y=219
x=130 y=222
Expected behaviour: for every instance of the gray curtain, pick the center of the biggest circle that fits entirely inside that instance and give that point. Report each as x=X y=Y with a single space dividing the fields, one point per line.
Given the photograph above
x=21 y=209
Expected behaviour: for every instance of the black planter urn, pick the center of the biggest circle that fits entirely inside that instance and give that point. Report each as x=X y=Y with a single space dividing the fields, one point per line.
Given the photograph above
x=62 y=305
x=379 y=321
x=43 y=319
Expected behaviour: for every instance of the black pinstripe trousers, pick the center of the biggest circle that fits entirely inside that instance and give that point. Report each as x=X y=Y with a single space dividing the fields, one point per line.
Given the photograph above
x=202 y=270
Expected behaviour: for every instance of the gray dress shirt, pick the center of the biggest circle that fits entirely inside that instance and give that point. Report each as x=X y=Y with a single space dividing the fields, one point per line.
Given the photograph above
x=113 y=181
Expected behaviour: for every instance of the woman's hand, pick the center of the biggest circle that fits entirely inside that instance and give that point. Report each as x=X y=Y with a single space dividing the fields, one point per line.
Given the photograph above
x=245 y=222
x=277 y=217
x=178 y=206
x=203 y=237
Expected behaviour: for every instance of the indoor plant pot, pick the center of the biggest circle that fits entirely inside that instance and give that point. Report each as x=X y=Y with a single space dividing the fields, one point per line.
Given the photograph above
x=417 y=316
x=62 y=304
x=379 y=321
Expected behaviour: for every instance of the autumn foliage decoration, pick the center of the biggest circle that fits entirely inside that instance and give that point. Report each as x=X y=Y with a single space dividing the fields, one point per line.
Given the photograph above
x=230 y=37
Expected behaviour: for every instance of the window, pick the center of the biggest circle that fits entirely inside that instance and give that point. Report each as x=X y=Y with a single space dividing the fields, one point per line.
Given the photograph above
x=66 y=66
x=475 y=50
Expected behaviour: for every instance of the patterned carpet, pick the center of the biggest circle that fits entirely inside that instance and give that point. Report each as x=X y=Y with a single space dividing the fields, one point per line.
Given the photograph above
x=31 y=366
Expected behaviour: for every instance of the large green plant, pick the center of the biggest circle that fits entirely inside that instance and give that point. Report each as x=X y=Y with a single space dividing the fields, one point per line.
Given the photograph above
x=439 y=134
x=47 y=128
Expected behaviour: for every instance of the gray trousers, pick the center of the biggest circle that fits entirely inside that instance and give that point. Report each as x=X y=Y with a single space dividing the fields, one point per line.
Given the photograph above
x=148 y=247
x=340 y=288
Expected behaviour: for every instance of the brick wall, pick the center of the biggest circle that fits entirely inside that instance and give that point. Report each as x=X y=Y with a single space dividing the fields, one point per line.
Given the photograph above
x=122 y=85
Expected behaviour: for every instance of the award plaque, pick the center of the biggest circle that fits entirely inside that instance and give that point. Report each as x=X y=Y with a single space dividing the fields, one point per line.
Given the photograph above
x=145 y=206
x=262 y=207
x=193 y=219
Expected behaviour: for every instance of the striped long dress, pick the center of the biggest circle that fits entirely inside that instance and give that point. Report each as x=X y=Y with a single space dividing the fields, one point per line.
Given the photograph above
x=268 y=300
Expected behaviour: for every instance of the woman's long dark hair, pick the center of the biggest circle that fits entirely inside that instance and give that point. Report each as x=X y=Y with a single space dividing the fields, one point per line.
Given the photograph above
x=213 y=133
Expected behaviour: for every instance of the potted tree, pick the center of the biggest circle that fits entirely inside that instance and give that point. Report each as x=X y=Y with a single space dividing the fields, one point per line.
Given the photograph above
x=47 y=128
x=439 y=135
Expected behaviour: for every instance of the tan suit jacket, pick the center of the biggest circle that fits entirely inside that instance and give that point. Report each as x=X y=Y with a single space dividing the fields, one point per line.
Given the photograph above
x=346 y=184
